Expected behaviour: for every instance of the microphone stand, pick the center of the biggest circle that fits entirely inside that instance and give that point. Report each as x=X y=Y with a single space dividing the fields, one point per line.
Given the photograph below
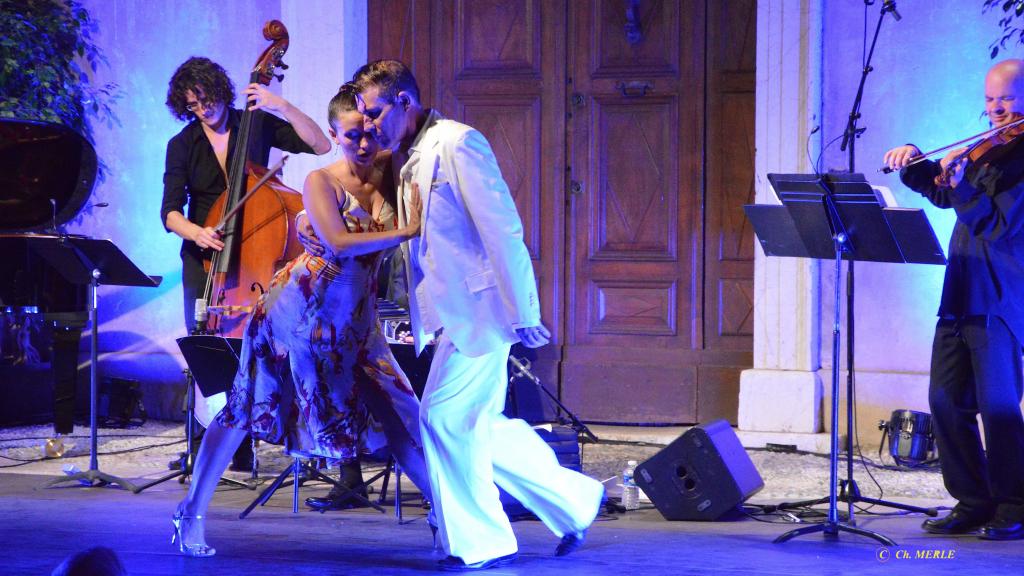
x=848 y=490
x=520 y=368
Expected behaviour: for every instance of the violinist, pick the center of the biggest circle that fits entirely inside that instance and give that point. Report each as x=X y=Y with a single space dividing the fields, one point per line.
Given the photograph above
x=976 y=353
x=201 y=93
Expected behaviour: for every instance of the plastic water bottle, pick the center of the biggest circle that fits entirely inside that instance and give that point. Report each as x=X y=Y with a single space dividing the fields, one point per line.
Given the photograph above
x=630 y=491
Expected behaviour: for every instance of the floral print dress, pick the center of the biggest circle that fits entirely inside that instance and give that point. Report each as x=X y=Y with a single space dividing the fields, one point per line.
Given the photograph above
x=312 y=352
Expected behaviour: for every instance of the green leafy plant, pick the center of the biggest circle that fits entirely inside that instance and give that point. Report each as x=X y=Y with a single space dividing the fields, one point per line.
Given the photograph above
x=1012 y=10
x=47 y=60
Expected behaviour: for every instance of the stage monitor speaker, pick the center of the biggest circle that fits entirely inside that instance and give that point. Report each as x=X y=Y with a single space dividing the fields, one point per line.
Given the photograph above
x=702 y=475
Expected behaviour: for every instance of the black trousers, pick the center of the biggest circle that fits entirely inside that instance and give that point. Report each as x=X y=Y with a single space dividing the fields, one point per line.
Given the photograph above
x=976 y=369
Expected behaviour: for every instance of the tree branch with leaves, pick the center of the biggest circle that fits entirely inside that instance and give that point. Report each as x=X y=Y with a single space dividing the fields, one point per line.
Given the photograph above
x=1012 y=10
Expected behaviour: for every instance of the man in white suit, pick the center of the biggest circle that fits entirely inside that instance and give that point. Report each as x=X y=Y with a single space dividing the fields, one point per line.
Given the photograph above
x=471 y=282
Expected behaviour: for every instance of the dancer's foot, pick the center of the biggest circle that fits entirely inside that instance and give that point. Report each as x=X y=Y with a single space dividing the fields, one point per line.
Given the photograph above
x=572 y=541
x=455 y=564
x=190 y=534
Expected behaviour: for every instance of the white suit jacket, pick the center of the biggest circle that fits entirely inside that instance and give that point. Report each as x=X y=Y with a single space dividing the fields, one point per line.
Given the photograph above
x=469 y=261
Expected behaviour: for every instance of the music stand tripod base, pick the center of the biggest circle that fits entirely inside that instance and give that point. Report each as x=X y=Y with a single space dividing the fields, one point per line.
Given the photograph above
x=297 y=471
x=95 y=478
x=849 y=492
x=831 y=529
x=212 y=363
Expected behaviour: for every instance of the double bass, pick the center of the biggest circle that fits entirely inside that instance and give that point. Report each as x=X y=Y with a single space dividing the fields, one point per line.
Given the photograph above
x=258 y=237
x=254 y=216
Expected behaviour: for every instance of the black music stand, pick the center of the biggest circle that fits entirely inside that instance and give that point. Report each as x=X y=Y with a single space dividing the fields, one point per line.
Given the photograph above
x=839 y=216
x=212 y=363
x=93 y=262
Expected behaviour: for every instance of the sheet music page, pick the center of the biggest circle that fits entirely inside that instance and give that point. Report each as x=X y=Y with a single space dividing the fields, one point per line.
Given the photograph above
x=885 y=197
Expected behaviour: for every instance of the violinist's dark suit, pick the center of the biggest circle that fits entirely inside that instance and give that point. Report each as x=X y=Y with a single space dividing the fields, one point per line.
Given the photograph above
x=976 y=355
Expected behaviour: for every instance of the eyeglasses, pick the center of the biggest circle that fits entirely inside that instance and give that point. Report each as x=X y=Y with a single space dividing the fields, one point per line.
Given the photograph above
x=202 y=104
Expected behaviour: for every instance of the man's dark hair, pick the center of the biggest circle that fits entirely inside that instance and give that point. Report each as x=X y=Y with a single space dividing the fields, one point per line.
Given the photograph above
x=202 y=73
x=343 y=101
x=389 y=76
x=96 y=561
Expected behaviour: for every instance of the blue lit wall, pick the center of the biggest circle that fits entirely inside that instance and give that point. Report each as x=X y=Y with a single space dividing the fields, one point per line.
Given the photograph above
x=926 y=88
x=145 y=41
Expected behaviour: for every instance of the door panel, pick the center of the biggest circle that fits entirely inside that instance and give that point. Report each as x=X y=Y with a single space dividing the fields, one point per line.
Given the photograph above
x=635 y=147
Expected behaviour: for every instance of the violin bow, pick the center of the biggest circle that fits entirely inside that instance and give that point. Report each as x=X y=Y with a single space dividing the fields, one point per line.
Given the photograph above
x=271 y=172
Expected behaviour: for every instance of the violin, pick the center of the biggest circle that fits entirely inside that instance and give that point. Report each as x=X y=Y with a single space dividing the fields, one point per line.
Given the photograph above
x=976 y=153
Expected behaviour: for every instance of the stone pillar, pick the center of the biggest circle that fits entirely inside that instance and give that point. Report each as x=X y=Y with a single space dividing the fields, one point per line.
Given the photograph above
x=783 y=392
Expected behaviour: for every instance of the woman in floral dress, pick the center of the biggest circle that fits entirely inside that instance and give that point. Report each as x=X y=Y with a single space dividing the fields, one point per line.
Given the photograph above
x=316 y=374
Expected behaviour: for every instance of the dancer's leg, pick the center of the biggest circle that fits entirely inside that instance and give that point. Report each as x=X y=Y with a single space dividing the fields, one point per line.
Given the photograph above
x=462 y=397
x=219 y=444
x=404 y=446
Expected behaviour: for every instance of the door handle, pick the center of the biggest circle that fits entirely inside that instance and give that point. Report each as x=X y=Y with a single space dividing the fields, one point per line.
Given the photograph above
x=634 y=89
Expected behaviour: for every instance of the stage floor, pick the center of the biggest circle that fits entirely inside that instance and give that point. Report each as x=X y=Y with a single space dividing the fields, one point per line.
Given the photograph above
x=41 y=527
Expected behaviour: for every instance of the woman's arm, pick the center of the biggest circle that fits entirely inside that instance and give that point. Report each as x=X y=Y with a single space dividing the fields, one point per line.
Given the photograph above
x=321 y=202
x=260 y=98
x=188 y=230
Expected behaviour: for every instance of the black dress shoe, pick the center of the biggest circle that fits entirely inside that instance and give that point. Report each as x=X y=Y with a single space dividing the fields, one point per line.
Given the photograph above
x=1002 y=529
x=341 y=495
x=337 y=499
x=455 y=564
x=570 y=543
x=956 y=522
x=242 y=459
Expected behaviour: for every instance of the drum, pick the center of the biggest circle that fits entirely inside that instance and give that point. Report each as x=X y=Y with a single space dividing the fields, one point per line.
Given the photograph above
x=911 y=441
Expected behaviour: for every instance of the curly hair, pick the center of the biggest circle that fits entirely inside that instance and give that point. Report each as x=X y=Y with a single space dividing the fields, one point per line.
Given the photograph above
x=389 y=76
x=343 y=101
x=198 y=72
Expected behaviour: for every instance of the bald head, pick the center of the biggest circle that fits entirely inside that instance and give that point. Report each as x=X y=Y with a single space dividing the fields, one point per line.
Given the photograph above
x=1004 y=91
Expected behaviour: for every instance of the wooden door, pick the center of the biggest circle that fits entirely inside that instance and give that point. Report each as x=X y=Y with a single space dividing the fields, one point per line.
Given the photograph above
x=602 y=115
x=634 y=249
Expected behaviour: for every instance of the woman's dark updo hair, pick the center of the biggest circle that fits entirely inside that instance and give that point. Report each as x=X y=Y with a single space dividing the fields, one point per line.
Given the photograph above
x=343 y=101
x=203 y=73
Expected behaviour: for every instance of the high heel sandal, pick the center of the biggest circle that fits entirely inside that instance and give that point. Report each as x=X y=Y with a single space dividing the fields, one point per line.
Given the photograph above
x=194 y=550
x=432 y=522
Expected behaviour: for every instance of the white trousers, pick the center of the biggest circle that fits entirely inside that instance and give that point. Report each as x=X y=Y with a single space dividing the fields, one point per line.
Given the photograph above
x=470 y=446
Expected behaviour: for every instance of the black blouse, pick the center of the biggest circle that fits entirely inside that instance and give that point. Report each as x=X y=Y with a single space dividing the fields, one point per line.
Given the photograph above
x=192 y=175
